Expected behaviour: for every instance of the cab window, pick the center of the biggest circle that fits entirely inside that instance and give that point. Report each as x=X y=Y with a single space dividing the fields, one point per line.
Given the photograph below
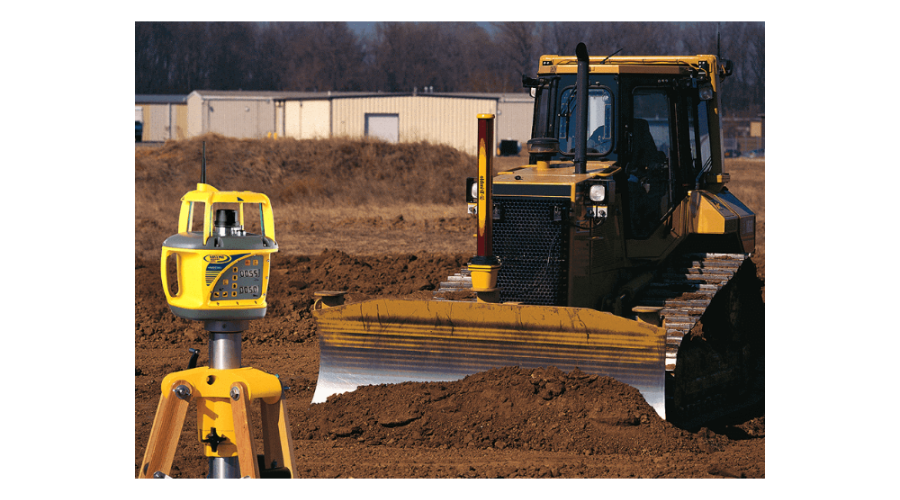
x=699 y=130
x=600 y=122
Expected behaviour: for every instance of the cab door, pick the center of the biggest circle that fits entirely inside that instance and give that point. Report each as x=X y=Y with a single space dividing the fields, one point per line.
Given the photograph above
x=651 y=171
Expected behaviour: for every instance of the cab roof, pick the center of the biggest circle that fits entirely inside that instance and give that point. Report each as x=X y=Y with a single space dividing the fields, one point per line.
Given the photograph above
x=554 y=64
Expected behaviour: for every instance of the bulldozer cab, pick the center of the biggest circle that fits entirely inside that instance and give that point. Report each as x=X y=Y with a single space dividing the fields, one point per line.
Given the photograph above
x=649 y=116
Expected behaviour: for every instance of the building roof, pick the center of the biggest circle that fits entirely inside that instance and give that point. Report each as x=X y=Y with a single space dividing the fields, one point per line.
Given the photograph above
x=276 y=94
x=159 y=99
x=505 y=97
x=290 y=96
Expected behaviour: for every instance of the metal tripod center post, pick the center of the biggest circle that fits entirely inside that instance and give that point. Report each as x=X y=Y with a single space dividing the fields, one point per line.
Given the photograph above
x=224 y=468
x=225 y=354
x=225 y=343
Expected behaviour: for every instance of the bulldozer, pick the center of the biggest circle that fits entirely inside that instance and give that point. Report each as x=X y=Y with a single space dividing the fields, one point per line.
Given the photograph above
x=617 y=250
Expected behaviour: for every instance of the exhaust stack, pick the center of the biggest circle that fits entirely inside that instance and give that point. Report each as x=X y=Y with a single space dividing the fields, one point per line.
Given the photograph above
x=581 y=102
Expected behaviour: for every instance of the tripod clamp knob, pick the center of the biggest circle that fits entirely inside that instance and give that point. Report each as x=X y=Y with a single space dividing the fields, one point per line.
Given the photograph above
x=213 y=439
x=195 y=353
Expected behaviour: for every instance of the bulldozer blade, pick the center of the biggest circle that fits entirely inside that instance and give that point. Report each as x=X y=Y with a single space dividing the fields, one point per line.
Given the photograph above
x=389 y=341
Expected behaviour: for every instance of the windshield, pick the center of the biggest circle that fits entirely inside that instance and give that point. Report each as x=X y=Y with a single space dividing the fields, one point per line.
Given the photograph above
x=600 y=126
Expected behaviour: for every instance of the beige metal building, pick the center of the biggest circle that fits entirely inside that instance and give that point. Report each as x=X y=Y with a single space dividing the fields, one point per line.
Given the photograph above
x=434 y=118
x=515 y=116
x=258 y=114
x=397 y=117
x=164 y=117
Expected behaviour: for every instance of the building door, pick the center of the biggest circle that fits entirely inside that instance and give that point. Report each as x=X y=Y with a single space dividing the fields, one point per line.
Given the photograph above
x=383 y=126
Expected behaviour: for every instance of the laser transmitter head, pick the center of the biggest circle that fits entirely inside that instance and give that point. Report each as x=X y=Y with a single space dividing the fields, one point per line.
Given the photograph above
x=221 y=270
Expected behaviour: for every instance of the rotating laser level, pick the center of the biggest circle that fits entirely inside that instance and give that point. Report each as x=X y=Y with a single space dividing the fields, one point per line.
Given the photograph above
x=221 y=276
x=222 y=271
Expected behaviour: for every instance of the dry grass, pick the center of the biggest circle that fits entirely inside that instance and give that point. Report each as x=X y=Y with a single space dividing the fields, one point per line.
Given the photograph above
x=333 y=172
x=376 y=229
x=748 y=183
x=363 y=197
x=313 y=184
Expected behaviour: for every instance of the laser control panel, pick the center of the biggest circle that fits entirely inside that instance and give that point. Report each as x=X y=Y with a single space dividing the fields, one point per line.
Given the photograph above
x=242 y=278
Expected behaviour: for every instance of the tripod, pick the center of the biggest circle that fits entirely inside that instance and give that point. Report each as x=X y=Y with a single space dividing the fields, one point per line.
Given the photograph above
x=223 y=392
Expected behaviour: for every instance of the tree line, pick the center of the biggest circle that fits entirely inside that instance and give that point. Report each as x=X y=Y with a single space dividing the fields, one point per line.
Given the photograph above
x=177 y=58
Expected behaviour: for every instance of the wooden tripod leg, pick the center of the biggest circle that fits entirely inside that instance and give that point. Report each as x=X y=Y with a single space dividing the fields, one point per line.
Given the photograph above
x=166 y=430
x=242 y=437
x=278 y=446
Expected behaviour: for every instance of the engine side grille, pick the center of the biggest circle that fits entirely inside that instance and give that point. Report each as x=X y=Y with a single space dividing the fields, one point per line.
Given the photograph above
x=533 y=248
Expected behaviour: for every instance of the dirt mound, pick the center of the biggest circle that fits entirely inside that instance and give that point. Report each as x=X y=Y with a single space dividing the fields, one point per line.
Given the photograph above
x=323 y=191
x=340 y=170
x=508 y=422
x=543 y=409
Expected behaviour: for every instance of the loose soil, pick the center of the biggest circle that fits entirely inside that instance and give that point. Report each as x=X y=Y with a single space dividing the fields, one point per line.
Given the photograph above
x=504 y=423
x=508 y=422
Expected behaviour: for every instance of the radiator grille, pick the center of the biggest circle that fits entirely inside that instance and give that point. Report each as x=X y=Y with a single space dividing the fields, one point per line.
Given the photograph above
x=533 y=248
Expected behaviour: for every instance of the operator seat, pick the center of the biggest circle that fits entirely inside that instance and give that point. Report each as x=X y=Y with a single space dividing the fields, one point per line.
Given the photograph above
x=646 y=180
x=645 y=151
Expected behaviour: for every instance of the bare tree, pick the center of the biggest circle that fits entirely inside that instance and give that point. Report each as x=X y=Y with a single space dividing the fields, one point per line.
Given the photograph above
x=467 y=59
x=517 y=45
x=408 y=56
x=230 y=55
x=316 y=56
x=154 y=57
x=448 y=57
x=562 y=38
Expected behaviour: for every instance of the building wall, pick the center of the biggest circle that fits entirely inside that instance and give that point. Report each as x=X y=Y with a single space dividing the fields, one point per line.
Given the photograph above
x=436 y=119
x=156 y=122
x=315 y=119
x=196 y=115
x=148 y=119
x=279 y=118
x=514 y=118
x=440 y=120
x=164 y=121
x=292 y=119
x=308 y=119
x=181 y=122
x=240 y=118
x=232 y=116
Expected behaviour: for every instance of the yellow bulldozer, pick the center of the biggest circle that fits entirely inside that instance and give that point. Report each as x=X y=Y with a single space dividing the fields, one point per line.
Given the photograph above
x=617 y=250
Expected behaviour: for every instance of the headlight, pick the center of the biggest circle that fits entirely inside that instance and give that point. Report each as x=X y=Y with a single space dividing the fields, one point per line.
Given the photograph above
x=706 y=92
x=471 y=190
x=597 y=193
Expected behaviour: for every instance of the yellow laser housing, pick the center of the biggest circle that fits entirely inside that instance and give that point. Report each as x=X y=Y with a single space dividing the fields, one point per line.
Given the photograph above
x=222 y=273
x=209 y=195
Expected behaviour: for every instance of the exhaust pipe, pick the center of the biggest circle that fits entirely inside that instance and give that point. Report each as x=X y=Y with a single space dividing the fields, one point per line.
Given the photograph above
x=581 y=102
